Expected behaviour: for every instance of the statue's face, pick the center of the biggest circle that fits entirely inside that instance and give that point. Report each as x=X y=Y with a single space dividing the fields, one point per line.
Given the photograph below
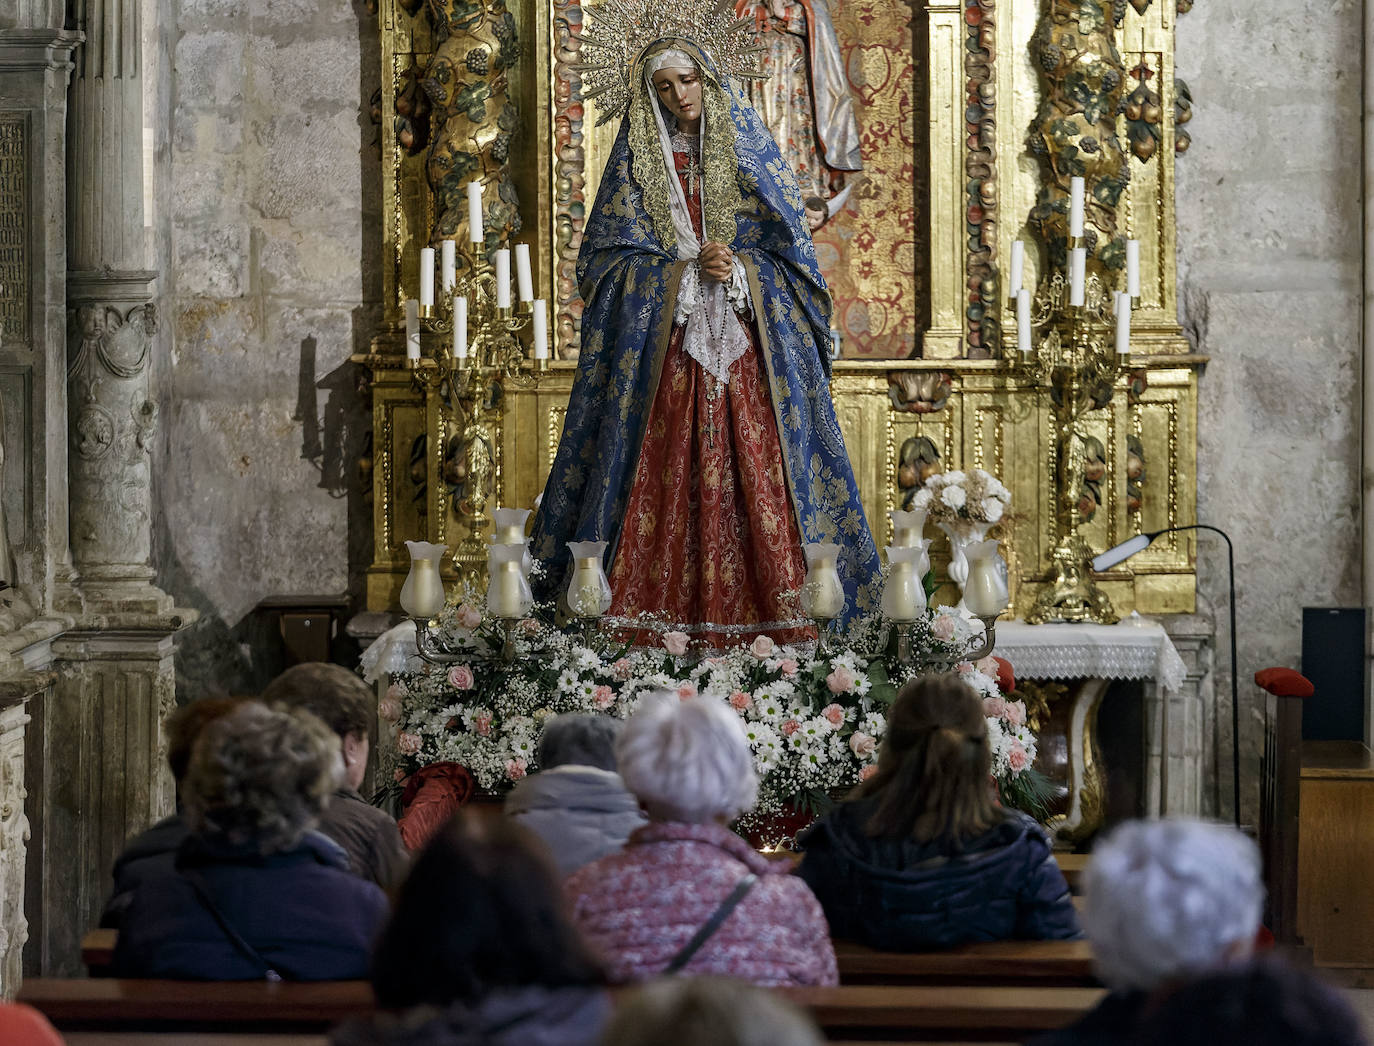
x=680 y=91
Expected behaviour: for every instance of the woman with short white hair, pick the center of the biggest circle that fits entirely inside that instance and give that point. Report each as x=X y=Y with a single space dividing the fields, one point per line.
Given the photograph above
x=1164 y=902
x=687 y=894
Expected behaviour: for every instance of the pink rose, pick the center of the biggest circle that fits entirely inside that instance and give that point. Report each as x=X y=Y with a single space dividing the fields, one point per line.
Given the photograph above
x=675 y=643
x=988 y=666
x=686 y=690
x=840 y=680
x=994 y=707
x=762 y=647
x=942 y=628
x=867 y=771
x=481 y=722
x=460 y=677
x=789 y=727
x=515 y=769
x=964 y=668
x=1017 y=758
x=862 y=745
x=621 y=669
x=1016 y=713
x=389 y=708
x=739 y=701
x=788 y=667
x=397 y=691
x=467 y=616
x=834 y=715
x=603 y=697
x=408 y=744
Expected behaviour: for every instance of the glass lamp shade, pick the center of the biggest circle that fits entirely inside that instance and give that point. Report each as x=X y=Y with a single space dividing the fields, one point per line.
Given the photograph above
x=822 y=594
x=907 y=527
x=508 y=591
x=589 y=590
x=422 y=594
x=509 y=529
x=904 y=597
x=985 y=592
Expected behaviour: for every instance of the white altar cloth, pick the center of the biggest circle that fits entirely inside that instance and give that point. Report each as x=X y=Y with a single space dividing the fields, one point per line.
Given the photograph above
x=1135 y=648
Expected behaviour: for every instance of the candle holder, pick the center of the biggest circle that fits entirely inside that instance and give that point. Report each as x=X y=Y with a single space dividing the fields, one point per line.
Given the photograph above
x=472 y=385
x=1073 y=358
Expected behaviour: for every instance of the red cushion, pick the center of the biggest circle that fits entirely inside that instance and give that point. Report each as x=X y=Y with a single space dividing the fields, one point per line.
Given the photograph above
x=1006 y=678
x=1284 y=682
x=432 y=795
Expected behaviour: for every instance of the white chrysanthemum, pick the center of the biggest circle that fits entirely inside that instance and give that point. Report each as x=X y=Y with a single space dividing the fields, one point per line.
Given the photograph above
x=567 y=680
x=983 y=685
x=761 y=735
x=584 y=659
x=874 y=724
x=770 y=709
x=847 y=660
x=954 y=497
x=862 y=685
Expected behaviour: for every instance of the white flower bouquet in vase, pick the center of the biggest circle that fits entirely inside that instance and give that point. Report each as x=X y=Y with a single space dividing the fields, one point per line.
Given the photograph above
x=965 y=505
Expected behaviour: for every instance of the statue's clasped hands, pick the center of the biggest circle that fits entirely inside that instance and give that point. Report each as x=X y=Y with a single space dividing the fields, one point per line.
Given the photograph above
x=715 y=262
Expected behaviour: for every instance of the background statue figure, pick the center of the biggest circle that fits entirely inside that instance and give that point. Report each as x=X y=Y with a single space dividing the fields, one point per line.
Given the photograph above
x=806 y=101
x=6 y=563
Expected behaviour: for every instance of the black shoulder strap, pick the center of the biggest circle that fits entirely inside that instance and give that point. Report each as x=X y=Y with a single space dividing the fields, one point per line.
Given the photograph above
x=711 y=925
x=269 y=971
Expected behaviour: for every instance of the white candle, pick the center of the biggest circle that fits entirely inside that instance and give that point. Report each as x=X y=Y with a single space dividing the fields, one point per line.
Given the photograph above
x=1023 y=327
x=460 y=327
x=1133 y=268
x=448 y=265
x=1018 y=266
x=1078 y=264
x=475 y=231
x=427 y=276
x=412 y=329
x=1075 y=206
x=541 y=330
x=503 y=278
x=1123 y=323
x=523 y=279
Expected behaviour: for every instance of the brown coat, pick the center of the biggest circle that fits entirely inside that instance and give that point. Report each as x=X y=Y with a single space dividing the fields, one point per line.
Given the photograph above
x=369 y=837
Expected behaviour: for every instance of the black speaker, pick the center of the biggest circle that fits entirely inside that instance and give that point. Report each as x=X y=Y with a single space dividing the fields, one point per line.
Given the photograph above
x=1333 y=657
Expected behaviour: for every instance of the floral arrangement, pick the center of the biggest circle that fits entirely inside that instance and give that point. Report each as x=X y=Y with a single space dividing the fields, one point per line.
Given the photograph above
x=814 y=723
x=959 y=498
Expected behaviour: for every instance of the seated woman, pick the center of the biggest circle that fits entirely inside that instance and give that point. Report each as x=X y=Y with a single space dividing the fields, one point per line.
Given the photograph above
x=480 y=950
x=922 y=856
x=253 y=893
x=687 y=894
x=577 y=803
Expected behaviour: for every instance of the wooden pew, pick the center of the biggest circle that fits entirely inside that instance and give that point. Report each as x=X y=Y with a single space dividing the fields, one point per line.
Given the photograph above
x=257 y=1013
x=97 y=949
x=1025 y=963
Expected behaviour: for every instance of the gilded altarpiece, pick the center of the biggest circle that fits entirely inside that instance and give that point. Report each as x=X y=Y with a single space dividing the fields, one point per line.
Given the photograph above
x=945 y=95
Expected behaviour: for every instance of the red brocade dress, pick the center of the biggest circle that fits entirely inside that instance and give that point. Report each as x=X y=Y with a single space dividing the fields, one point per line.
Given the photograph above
x=710 y=540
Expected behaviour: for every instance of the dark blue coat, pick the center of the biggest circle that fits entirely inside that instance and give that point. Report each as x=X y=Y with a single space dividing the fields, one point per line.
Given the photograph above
x=303 y=910
x=901 y=895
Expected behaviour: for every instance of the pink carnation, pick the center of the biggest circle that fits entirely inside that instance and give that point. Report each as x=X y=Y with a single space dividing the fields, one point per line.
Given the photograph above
x=739 y=701
x=460 y=677
x=397 y=691
x=762 y=647
x=867 y=771
x=834 y=714
x=529 y=626
x=621 y=669
x=942 y=628
x=994 y=707
x=988 y=666
x=686 y=690
x=789 y=727
x=840 y=680
x=467 y=616
x=675 y=643
x=408 y=744
x=1016 y=713
x=515 y=769
x=1017 y=758
x=964 y=668
x=862 y=745
x=603 y=697
x=481 y=722
x=788 y=667
x=389 y=708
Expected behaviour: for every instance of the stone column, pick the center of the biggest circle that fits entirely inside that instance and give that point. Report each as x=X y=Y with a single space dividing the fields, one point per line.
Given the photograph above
x=14 y=823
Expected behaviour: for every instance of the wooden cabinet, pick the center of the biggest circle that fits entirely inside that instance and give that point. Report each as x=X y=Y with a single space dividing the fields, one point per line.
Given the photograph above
x=1336 y=853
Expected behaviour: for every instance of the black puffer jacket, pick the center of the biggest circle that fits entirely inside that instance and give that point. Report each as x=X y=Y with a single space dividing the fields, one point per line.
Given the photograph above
x=900 y=895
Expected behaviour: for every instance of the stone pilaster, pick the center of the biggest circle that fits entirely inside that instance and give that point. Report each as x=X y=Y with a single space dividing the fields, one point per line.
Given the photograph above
x=14 y=824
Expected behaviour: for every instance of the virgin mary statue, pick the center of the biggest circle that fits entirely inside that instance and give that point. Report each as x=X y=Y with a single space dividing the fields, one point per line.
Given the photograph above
x=700 y=441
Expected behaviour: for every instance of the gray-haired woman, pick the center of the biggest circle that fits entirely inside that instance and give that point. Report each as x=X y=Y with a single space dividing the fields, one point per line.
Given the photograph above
x=254 y=892
x=687 y=894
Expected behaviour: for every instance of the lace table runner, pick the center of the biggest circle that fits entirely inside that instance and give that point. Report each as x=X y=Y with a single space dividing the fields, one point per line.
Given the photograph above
x=1132 y=649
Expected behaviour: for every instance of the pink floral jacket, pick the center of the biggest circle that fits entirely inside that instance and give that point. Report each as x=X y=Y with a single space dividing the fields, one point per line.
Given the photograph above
x=640 y=906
